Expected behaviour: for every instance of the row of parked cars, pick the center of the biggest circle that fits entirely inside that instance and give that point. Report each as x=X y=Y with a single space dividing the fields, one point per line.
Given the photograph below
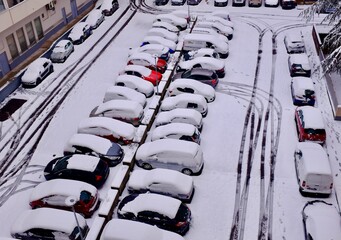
x=313 y=169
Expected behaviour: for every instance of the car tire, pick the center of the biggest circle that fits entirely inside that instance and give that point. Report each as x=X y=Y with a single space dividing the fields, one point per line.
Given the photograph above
x=147 y=166
x=38 y=81
x=187 y=171
x=51 y=70
x=64 y=59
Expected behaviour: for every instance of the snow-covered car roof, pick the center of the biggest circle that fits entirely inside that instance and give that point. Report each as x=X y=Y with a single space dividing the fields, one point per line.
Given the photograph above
x=216 y=25
x=57 y=187
x=202 y=88
x=168 y=16
x=163 y=33
x=77 y=30
x=137 y=68
x=63 y=221
x=118 y=128
x=124 y=105
x=143 y=56
x=316 y=159
x=221 y=13
x=168 y=26
x=120 y=229
x=300 y=84
x=180 y=13
x=32 y=71
x=152 y=48
x=300 y=58
x=83 y=162
x=212 y=18
x=211 y=63
x=164 y=205
x=169 y=102
x=272 y=2
x=206 y=37
x=294 y=37
x=312 y=117
x=163 y=117
x=60 y=46
x=173 y=128
x=157 y=39
x=98 y=144
x=141 y=179
x=106 y=5
x=137 y=81
x=93 y=16
x=129 y=93
x=167 y=145
x=205 y=30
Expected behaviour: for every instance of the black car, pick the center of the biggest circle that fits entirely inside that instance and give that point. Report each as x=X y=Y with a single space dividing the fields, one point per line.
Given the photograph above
x=203 y=75
x=165 y=212
x=161 y=2
x=193 y=2
x=78 y=167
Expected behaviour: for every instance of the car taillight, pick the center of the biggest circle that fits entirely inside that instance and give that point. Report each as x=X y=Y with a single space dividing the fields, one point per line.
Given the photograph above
x=180 y=224
x=303 y=184
x=214 y=81
x=98 y=177
x=331 y=186
x=221 y=70
x=129 y=63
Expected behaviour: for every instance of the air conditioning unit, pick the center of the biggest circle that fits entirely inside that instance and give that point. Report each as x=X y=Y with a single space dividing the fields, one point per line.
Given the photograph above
x=51 y=6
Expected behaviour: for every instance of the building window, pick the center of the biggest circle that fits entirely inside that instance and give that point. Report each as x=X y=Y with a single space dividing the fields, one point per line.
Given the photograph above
x=22 y=39
x=12 y=46
x=39 y=28
x=30 y=33
x=2 y=6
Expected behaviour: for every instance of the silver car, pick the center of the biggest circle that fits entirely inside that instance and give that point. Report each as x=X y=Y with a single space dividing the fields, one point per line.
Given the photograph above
x=61 y=51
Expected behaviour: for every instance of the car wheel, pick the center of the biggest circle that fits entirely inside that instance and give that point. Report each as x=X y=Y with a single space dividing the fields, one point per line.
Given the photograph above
x=51 y=69
x=38 y=81
x=187 y=171
x=146 y=166
x=64 y=59
x=197 y=66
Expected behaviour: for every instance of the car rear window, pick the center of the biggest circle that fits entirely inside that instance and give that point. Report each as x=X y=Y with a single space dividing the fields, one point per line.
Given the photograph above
x=314 y=131
x=183 y=213
x=85 y=197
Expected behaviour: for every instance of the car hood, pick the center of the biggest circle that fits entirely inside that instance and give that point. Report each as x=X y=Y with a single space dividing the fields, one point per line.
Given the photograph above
x=29 y=76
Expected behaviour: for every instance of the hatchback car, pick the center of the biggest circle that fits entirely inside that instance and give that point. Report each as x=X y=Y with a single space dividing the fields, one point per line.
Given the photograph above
x=154 y=49
x=95 y=18
x=255 y=3
x=36 y=72
x=161 y=32
x=96 y=146
x=216 y=65
x=302 y=91
x=238 y=3
x=124 y=93
x=54 y=194
x=162 y=181
x=84 y=168
x=80 y=32
x=155 y=209
x=202 y=75
x=294 y=43
x=271 y=3
x=143 y=72
x=202 y=52
x=135 y=83
x=61 y=51
x=49 y=223
x=220 y=3
x=160 y=40
x=309 y=124
x=148 y=60
x=193 y=2
x=321 y=221
x=299 y=65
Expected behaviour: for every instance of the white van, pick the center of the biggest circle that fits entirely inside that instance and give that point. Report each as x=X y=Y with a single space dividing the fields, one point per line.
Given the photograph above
x=314 y=174
x=124 y=110
x=180 y=115
x=186 y=100
x=182 y=156
x=124 y=93
x=195 y=41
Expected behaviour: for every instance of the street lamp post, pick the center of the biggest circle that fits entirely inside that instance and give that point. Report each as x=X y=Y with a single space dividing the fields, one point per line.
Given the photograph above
x=70 y=202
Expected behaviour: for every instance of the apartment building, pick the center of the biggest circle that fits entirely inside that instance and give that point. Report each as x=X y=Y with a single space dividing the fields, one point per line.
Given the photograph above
x=26 y=24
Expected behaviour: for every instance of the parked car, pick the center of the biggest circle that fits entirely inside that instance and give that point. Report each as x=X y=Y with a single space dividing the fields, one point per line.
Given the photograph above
x=183 y=85
x=79 y=167
x=162 y=32
x=193 y=2
x=216 y=65
x=179 y=22
x=217 y=18
x=178 y=2
x=202 y=75
x=160 y=40
x=54 y=194
x=155 y=49
x=109 y=128
x=288 y=4
x=136 y=83
x=167 y=26
x=180 y=131
x=36 y=72
x=95 y=18
x=314 y=174
x=220 y=3
x=321 y=221
x=39 y=224
x=162 y=181
x=123 y=110
x=238 y=3
x=179 y=115
x=221 y=13
x=224 y=30
x=328 y=7
x=210 y=31
x=155 y=209
x=161 y=2
x=80 y=32
x=148 y=60
x=124 y=93
x=186 y=100
x=309 y=124
x=61 y=51
x=294 y=43
x=302 y=91
x=179 y=155
x=108 y=7
x=202 y=52
x=255 y=3
x=145 y=73
x=92 y=145
x=299 y=65
x=271 y=3
x=118 y=229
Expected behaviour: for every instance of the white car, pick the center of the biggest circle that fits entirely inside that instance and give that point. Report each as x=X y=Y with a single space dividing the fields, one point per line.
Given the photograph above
x=178 y=2
x=160 y=40
x=221 y=13
x=95 y=18
x=215 y=18
x=299 y=65
x=80 y=32
x=205 y=30
x=183 y=85
x=147 y=60
x=321 y=221
x=271 y=3
x=36 y=72
x=294 y=43
x=218 y=27
x=135 y=83
x=202 y=52
x=179 y=22
x=124 y=93
x=163 y=181
x=61 y=51
x=166 y=25
x=214 y=64
x=158 y=50
x=302 y=91
x=220 y=3
x=161 y=32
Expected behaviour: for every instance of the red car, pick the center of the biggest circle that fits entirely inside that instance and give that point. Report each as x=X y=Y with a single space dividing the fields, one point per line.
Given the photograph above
x=143 y=72
x=309 y=124
x=147 y=60
x=54 y=194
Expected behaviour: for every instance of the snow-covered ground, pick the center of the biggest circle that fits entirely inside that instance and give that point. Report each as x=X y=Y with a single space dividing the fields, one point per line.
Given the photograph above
x=213 y=203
